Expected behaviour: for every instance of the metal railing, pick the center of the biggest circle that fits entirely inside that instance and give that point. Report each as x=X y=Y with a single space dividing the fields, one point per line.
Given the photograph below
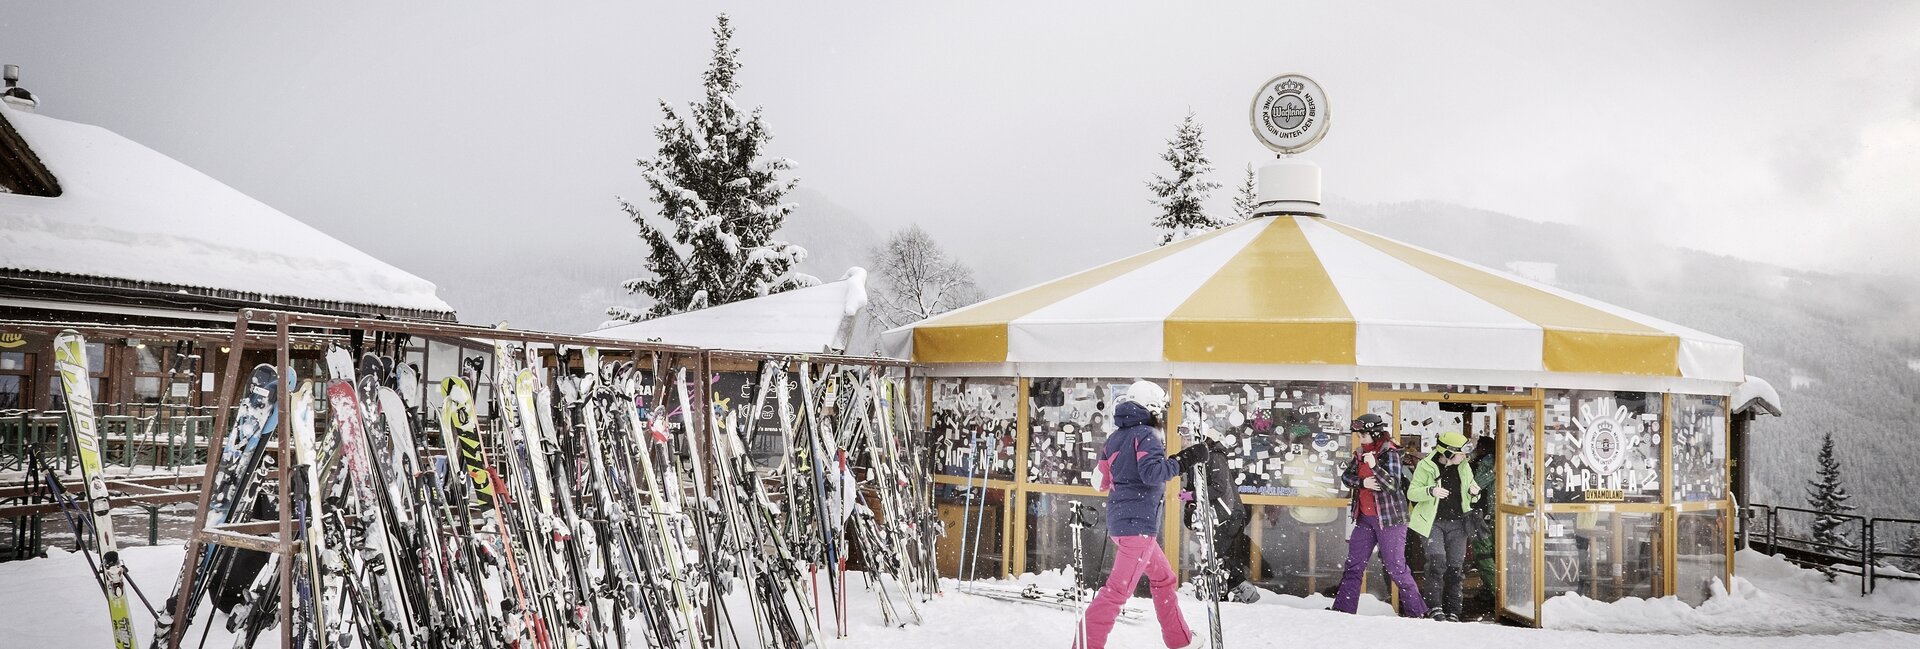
x=172 y=436
x=1855 y=548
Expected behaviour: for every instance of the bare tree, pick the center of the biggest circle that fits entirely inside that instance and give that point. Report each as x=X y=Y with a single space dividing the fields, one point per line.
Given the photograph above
x=916 y=280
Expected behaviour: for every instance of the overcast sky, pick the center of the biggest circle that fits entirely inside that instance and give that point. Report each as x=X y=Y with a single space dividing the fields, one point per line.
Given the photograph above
x=433 y=134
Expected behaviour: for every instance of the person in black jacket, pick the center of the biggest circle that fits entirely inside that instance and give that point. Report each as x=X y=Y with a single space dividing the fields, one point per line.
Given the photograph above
x=1230 y=542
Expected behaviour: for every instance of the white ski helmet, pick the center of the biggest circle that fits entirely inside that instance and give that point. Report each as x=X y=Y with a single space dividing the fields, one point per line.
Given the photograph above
x=1148 y=394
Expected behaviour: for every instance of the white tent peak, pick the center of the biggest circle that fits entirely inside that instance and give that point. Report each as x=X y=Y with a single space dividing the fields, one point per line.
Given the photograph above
x=817 y=319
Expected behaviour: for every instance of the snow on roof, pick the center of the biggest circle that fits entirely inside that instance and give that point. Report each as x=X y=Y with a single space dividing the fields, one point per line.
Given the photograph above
x=1756 y=392
x=811 y=320
x=132 y=213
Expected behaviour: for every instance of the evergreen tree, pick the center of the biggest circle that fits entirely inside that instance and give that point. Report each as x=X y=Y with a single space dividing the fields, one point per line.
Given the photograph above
x=1912 y=547
x=1247 y=198
x=1182 y=194
x=1826 y=495
x=718 y=198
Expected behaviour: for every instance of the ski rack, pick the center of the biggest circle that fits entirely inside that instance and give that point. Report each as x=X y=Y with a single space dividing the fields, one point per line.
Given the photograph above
x=276 y=536
x=138 y=490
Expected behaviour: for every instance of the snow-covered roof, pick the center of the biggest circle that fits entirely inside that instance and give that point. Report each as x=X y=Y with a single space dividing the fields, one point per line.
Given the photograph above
x=128 y=212
x=812 y=320
x=1756 y=393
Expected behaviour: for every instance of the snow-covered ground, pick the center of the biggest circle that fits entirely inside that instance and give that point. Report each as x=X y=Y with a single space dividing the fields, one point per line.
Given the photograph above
x=52 y=602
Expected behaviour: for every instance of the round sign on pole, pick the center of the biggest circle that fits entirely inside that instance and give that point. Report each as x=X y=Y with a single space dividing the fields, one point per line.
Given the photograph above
x=1290 y=113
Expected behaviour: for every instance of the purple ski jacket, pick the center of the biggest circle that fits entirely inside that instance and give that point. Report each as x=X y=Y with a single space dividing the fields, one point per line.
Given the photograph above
x=1141 y=470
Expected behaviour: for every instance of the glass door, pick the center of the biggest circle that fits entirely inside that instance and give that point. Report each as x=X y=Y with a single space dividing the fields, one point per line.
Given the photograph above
x=1517 y=498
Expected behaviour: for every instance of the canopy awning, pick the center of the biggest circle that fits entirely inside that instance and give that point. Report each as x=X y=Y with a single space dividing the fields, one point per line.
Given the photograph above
x=1310 y=298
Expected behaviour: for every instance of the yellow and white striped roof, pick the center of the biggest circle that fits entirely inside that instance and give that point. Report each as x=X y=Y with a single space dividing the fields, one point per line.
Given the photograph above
x=1298 y=297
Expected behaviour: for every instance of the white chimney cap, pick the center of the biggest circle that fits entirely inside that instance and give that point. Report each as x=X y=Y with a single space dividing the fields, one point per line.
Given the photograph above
x=1289 y=186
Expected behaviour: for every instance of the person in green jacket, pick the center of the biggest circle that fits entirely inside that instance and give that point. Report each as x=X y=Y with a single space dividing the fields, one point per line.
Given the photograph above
x=1443 y=492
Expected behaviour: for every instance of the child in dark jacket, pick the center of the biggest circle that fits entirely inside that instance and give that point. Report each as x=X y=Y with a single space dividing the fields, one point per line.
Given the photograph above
x=1136 y=461
x=1230 y=543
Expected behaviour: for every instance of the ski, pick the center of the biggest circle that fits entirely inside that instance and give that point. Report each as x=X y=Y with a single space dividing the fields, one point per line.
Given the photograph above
x=1209 y=584
x=70 y=361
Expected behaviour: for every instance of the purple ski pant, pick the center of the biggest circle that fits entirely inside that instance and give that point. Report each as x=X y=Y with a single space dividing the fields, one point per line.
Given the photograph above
x=1392 y=542
x=1136 y=556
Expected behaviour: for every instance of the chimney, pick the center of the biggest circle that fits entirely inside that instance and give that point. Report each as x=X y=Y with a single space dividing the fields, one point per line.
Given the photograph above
x=1289 y=185
x=15 y=95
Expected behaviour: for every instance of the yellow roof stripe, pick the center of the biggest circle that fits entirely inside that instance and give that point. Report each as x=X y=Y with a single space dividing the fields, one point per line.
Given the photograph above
x=978 y=334
x=1273 y=303
x=1578 y=338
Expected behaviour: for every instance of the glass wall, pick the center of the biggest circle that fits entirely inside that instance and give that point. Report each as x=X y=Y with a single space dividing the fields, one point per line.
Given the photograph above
x=974 y=519
x=1298 y=550
x=1595 y=519
x=1700 y=554
x=1051 y=536
x=1699 y=448
x=1604 y=555
x=972 y=425
x=1291 y=436
x=1602 y=446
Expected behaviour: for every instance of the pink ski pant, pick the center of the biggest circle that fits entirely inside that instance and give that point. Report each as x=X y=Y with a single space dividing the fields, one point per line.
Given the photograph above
x=1137 y=555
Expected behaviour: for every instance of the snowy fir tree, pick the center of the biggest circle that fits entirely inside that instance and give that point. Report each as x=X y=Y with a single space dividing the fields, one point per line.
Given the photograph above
x=1910 y=547
x=1182 y=194
x=719 y=201
x=1247 y=198
x=917 y=280
x=1826 y=495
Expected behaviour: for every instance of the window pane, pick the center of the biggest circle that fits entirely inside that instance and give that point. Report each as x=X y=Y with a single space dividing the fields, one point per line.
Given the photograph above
x=963 y=518
x=1517 y=582
x=96 y=359
x=1518 y=459
x=57 y=394
x=13 y=361
x=150 y=358
x=1050 y=537
x=11 y=389
x=1602 y=446
x=1604 y=555
x=1699 y=448
x=146 y=388
x=1291 y=436
x=1702 y=554
x=1299 y=550
x=973 y=419
x=1070 y=421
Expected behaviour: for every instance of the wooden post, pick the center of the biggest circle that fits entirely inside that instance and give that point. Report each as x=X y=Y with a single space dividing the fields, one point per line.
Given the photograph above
x=285 y=545
x=1017 y=497
x=215 y=440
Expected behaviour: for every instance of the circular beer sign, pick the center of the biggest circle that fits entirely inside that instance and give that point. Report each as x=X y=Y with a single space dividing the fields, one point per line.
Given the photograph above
x=1290 y=113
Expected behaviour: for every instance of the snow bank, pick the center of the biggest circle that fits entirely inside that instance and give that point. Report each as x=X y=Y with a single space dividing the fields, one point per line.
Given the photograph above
x=1768 y=596
x=53 y=602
